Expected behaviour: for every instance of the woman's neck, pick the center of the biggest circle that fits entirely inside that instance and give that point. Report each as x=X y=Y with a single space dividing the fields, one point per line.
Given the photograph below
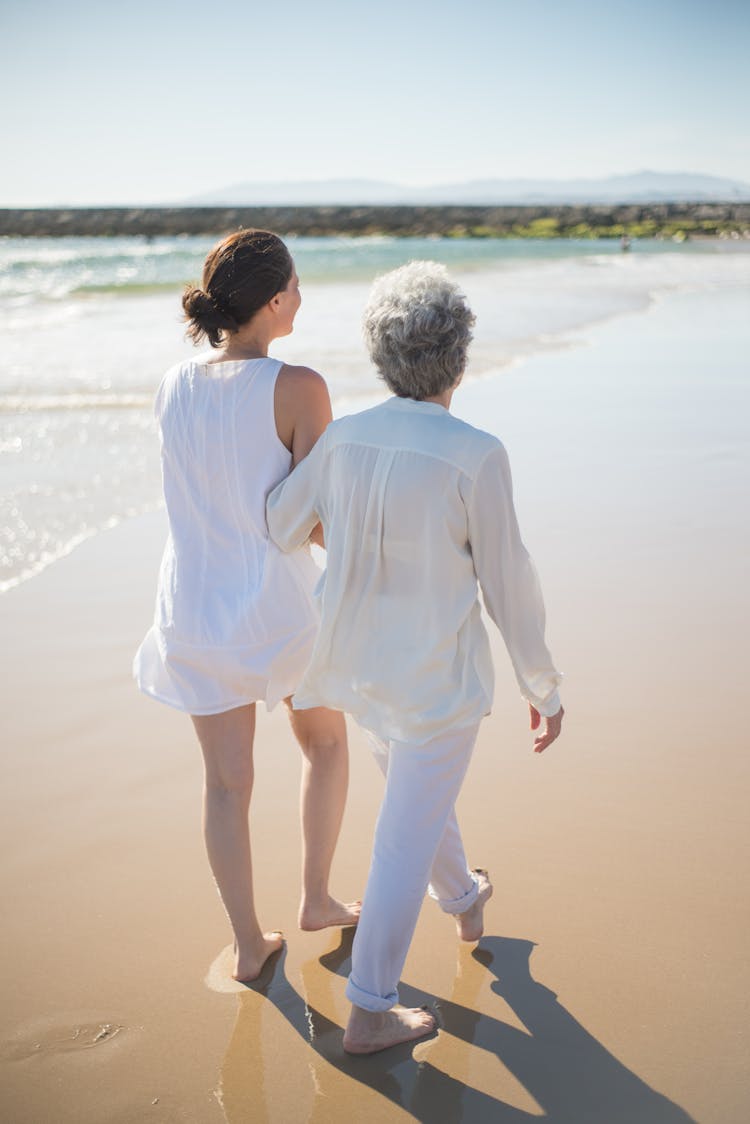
x=244 y=349
x=443 y=399
x=250 y=341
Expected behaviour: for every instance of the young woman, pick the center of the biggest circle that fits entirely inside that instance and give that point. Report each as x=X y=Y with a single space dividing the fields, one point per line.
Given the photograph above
x=417 y=509
x=235 y=618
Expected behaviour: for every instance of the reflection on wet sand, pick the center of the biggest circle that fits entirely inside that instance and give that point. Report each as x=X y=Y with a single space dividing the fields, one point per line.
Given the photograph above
x=563 y=1069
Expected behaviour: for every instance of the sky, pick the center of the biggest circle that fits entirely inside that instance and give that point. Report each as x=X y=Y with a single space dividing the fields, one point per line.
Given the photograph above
x=154 y=102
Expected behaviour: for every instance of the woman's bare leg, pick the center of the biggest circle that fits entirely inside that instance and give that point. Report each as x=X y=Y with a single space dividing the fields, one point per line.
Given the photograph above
x=321 y=734
x=227 y=744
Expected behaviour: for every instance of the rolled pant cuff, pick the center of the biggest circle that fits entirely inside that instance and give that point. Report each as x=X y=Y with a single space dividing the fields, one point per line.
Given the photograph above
x=368 y=1001
x=458 y=905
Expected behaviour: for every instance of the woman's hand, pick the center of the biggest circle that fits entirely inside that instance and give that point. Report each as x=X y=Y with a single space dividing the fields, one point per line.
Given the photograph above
x=551 y=730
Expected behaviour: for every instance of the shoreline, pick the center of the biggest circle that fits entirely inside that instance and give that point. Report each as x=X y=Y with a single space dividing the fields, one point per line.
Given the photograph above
x=635 y=220
x=569 y=339
x=349 y=401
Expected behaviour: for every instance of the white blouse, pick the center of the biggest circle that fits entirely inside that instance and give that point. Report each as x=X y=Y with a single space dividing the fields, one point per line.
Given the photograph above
x=417 y=510
x=235 y=619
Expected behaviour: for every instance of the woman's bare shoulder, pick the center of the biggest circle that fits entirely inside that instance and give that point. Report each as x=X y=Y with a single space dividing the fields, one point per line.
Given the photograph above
x=302 y=407
x=297 y=378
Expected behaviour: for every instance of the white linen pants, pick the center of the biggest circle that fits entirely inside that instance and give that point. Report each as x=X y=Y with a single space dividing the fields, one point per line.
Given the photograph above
x=417 y=841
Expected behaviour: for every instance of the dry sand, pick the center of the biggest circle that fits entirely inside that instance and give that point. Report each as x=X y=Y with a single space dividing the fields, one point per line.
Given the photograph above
x=612 y=983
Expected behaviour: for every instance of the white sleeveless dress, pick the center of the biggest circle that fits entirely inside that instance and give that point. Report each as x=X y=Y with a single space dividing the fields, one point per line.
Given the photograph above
x=235 y=618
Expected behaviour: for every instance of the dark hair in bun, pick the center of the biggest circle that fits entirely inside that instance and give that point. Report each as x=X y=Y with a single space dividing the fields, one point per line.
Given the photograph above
x=240 y=275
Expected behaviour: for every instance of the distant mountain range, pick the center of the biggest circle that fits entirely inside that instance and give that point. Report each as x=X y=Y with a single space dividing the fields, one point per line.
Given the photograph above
x=638 y=187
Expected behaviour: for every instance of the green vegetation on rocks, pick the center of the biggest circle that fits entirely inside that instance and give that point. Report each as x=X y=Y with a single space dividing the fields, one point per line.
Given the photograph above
x=658 y=220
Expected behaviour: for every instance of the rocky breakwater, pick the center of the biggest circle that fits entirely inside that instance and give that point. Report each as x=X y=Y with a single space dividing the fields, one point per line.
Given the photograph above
x=682 y=220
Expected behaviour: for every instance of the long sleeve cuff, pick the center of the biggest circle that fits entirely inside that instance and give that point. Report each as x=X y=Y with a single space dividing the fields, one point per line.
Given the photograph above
x=549 y=706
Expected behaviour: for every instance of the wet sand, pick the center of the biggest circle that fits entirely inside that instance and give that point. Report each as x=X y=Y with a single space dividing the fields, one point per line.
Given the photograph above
x=612 y=982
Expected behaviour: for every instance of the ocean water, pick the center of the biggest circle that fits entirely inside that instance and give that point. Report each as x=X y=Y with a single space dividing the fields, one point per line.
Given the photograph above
x=90 y=325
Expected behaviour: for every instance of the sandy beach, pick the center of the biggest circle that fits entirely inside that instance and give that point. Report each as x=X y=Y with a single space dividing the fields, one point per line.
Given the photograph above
x=611 y=986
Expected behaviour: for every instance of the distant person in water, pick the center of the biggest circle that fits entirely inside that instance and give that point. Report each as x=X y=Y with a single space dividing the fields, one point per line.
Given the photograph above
x=417 y=513
x=235 y=618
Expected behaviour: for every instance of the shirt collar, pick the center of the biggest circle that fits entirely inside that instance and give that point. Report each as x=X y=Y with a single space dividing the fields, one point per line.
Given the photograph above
x=397 y=403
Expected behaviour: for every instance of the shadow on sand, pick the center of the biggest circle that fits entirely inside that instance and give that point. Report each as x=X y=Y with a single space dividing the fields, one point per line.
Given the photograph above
x=569 y=1074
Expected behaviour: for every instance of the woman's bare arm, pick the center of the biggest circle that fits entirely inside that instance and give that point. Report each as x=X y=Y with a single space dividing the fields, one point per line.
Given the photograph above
x=302 y=409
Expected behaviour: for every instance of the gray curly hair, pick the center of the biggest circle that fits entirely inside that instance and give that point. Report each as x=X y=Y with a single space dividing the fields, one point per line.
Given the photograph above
x=417 y=327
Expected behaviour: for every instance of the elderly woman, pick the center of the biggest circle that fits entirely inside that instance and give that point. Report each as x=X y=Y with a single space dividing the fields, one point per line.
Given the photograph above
x=417 y=512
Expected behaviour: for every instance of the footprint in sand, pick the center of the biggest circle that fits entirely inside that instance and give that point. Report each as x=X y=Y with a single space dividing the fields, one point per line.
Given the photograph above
x=45 y=1038
x=219 y=975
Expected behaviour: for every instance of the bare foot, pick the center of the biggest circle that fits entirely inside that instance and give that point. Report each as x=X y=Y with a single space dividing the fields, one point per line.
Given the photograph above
x=470 y=923
x=249 y=963
x=321 y=915
x=370 y=1031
